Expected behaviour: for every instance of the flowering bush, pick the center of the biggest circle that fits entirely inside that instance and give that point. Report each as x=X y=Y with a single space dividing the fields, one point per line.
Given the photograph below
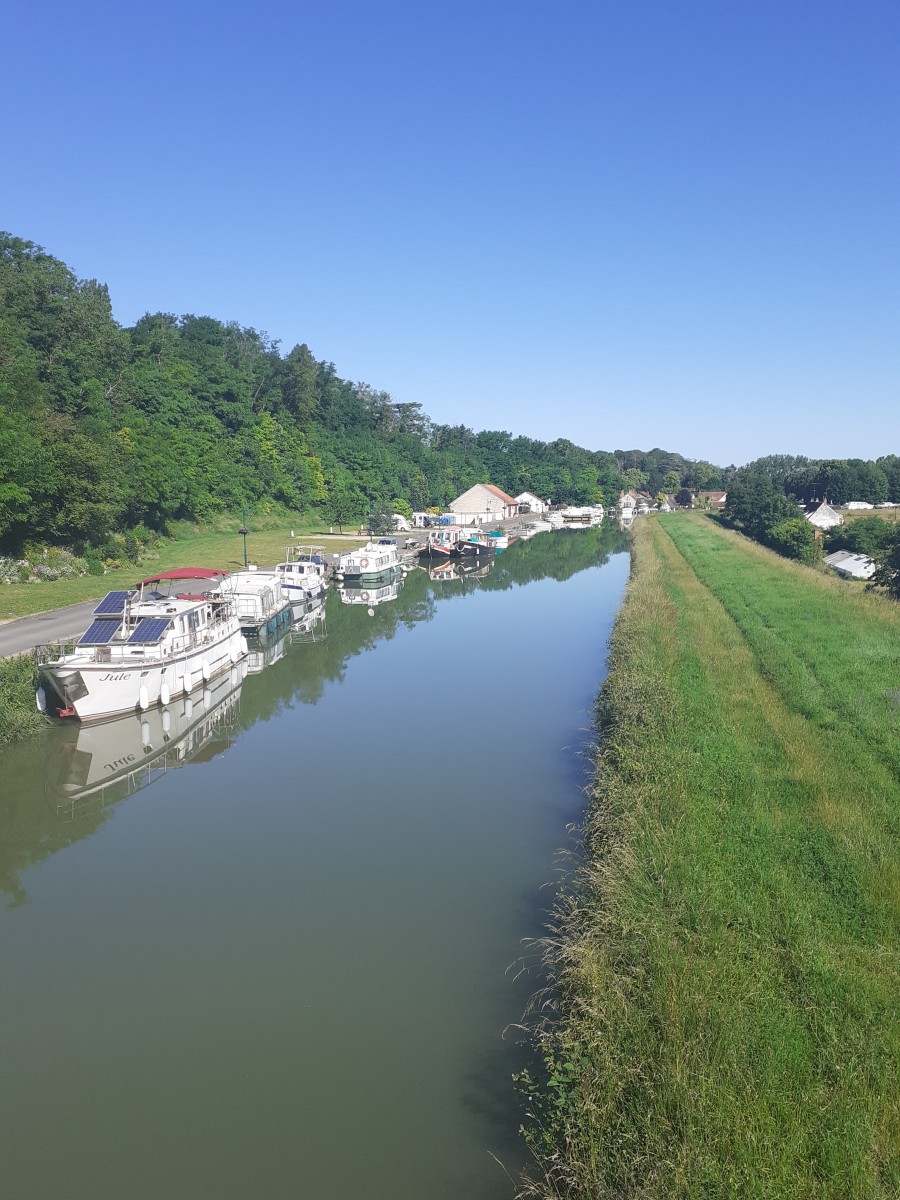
x=42 y=565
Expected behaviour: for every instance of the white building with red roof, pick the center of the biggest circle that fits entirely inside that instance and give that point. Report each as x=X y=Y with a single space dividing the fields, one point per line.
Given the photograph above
x=482 y=504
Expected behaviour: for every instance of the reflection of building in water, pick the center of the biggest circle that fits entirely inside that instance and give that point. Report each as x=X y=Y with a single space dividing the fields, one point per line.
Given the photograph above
x=371 y=595
x=89 y=766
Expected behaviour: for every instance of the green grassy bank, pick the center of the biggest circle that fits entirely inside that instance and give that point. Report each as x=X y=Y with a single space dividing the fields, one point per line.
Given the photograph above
x=18 y=712
x=193 y=547
x=727 y=960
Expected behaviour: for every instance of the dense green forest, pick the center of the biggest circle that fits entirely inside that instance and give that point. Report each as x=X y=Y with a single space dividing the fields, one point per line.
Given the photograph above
x=105 y=429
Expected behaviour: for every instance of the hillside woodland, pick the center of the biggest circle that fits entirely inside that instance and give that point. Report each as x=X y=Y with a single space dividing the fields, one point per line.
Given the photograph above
x=105 y=429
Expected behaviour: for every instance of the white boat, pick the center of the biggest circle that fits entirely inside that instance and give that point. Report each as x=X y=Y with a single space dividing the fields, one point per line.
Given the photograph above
x=370 y=561
x=258 y=600
x=141 y=649
x=104 y=761
x=304 y=576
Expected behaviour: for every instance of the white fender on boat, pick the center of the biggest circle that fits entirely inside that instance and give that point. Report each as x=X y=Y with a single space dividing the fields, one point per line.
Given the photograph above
x=166 y=720
x=40 y=698
x=144 y=699
x=145 y=734
x=188 y=681
x=188 y=708
x=245 y=649
x=204 y=669
x=207 y=697
x=234 y=676
x=164 y=696
x=233 y=654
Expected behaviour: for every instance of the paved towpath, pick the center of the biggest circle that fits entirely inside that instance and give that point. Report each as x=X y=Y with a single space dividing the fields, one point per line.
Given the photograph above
x=19 y=636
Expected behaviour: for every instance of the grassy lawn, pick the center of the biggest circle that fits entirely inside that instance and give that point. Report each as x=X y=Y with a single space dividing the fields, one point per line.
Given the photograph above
x=222 y=550
x=728 y=960
x=886 y=514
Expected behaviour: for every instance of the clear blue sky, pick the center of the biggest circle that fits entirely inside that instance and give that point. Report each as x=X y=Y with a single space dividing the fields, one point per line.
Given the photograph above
x=628 y=224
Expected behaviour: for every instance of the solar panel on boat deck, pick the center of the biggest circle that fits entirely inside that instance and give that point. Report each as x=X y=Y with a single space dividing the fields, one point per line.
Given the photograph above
x=149 y=629
x=100 y=633
x=112 y=602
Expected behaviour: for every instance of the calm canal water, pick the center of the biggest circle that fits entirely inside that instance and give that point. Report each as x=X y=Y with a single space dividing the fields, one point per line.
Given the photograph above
x=283 y=970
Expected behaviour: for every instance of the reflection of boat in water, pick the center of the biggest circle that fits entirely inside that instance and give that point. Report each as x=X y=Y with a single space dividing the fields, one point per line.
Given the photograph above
x=264 y=652
x=371 y=595
x=141 y=649
x=446 y=570
x=93 y=765
x=310 y=627
x=475 y=568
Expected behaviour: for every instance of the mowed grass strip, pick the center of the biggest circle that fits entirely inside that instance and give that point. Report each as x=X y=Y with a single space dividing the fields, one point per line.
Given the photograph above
x=218 y=551
x=727 y=958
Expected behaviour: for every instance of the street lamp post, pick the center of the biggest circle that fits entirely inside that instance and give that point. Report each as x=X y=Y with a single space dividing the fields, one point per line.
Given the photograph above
x=243 y=531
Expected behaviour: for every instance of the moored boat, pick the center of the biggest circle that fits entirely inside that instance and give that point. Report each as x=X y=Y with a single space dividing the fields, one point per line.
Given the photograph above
x=304 y=576
x=443 y=542
x=477 y=543
x=142 y=648
x=258 y=600
x=375 y=560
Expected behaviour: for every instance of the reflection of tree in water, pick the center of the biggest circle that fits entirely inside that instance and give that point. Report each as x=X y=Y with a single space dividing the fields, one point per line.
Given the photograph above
x=31 y=829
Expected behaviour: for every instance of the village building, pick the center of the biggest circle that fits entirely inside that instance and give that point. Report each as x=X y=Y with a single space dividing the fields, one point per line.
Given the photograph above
x=528 y=502
x=856 y=566
x=822 y=515
x=482 y=504
x=713 y=500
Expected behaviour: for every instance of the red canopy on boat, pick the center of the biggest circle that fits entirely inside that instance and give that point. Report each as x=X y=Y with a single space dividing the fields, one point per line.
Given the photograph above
x=183 y=573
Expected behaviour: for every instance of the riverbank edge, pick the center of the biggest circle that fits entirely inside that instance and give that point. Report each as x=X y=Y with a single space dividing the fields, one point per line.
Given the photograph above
x=19 y=716
x=691 y=1051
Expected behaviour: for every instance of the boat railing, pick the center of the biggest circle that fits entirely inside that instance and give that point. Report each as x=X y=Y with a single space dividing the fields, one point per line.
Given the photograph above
x=123 y=651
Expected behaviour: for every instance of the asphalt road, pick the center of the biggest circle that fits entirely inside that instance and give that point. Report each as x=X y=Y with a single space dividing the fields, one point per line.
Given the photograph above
x=17 y=637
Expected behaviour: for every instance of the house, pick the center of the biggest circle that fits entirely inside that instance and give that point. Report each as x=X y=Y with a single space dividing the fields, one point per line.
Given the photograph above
x=713 y=500
x=856 y=566
x=627 y=503
x=483 y=503
x=528 y=502
x=822 y=515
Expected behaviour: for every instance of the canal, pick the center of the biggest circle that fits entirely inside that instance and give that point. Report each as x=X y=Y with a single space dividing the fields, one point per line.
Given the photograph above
x=275 y=948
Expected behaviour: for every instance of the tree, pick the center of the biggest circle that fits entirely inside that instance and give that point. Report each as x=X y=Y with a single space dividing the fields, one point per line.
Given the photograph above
x=887 y=567
x=402 y=507
x=795 y=538
x=345 y=504
x=685 y=498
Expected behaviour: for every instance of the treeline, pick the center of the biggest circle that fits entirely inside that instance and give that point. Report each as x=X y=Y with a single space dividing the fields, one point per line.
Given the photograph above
x=765 y=496
x=105 y=429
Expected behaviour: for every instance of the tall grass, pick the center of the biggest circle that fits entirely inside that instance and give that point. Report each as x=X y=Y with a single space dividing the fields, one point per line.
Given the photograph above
x=18 y=712
x=726 y=962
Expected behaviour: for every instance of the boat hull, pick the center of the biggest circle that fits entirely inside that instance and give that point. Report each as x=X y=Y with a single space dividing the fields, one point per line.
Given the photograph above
x=79 y=686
